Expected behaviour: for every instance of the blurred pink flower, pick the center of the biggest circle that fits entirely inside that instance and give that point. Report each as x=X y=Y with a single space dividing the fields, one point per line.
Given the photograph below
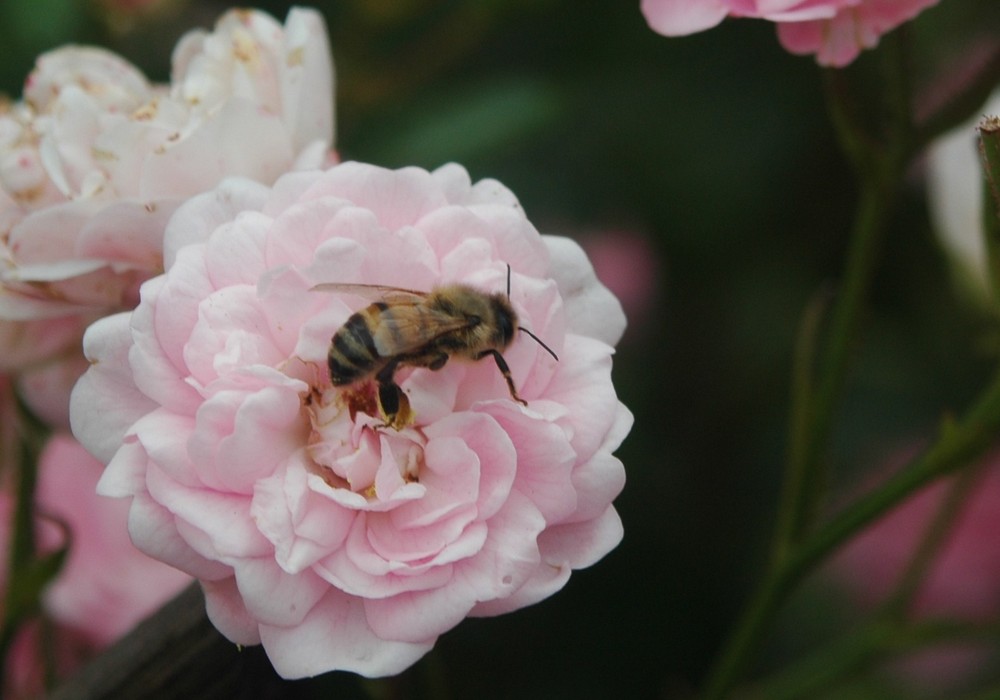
x=95 y=159
x=964 y=580
x=25 y=664
x=628 y=264
x=106 y=585
x=835 y=30
x=337 y=542
x=32 y=650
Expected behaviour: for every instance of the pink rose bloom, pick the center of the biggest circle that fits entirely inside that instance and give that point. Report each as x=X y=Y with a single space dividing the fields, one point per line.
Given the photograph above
x=334 y=540
x=95 y=159
x=835 y=30
x=964 y=580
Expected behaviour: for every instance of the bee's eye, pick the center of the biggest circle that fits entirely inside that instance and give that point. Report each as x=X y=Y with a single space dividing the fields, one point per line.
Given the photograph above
x=506 y=324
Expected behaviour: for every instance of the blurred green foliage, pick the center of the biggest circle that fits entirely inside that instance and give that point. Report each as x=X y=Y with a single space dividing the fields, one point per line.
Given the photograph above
x=717 y=147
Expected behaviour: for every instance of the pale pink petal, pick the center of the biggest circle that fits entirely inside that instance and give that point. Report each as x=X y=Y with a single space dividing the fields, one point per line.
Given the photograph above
x=106 y=402
x=106 y=585
x=225 y=608
x=288 y=512
x=153 y=529
x=127 y=232
x=680 y=17
x=199 y=216
x=545 y=461
x=591 y=309
x=599 y=480
x=337 y=637
x=308 y=85
x=111 y=78
x=182 y=168
x=579 y=545
x=274 y=597
x=216 y=525
x=125 y=474
x=838 y=41
x=544 y=581
x=510 y=556
x=585 y=377
x=421 y=615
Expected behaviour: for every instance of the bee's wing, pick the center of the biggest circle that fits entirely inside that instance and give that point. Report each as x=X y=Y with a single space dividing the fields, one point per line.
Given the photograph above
x=373 y=292
x=412 y=327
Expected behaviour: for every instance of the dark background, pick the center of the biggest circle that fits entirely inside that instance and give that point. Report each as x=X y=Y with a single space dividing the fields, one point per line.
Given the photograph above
x=717 y=149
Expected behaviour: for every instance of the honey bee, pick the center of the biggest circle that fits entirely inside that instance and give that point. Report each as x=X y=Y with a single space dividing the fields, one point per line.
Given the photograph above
x=420 y=329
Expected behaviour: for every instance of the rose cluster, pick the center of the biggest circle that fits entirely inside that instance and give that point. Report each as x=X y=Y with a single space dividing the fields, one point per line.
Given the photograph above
x=205 y=236
x=94 y=160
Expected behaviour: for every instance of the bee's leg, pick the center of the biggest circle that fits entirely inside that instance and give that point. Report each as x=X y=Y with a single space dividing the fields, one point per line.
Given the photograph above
x=505 y=371
x=437 y=361
x=431 y=360
x=394 y=404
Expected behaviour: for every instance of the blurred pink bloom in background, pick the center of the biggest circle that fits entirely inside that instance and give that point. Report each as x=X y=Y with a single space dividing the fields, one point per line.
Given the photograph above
x=335 y=541
x=835 y=30
x=962 y=583
x=27 y=659
x=25 y=664
x=106 y=585
x=629 y=265
x=94 y=160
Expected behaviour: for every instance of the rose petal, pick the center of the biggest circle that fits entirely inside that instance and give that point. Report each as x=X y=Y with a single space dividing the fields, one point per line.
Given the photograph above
x=337 y=637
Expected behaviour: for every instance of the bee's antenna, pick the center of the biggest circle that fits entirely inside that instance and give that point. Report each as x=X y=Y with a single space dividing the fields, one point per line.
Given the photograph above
x=539 y=341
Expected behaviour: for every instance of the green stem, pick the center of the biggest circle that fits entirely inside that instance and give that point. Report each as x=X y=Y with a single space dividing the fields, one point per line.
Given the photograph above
x=873 y=644
x=879 y=148
x=989 y=150
x=958 y=445
x=822 y=670
x=18 y=598
x=813 y=412
x=933 y=540
x=879 y=156
x=879 y=159
x=799 y=421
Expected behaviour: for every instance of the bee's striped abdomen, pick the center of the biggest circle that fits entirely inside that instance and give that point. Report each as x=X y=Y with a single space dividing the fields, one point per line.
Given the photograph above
x=353 y=355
